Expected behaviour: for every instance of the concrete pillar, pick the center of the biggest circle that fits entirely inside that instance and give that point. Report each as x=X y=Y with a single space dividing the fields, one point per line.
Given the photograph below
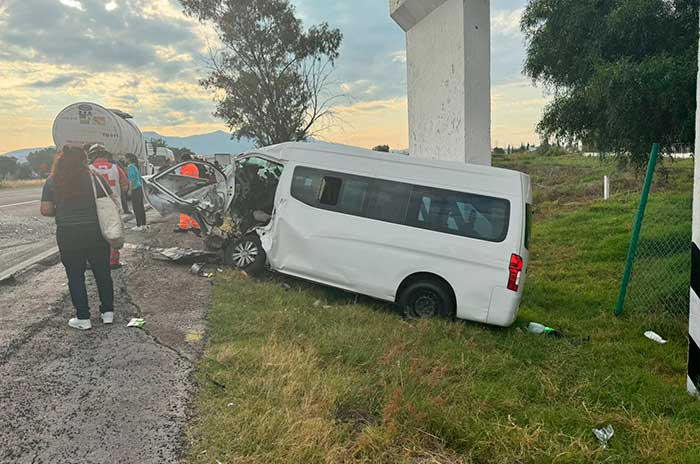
x=448 y=46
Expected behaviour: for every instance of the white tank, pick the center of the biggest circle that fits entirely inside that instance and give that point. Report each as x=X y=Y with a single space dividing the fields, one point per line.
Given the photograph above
x=88 y=123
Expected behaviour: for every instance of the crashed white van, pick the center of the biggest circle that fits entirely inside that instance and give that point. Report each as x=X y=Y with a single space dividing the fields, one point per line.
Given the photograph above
x=438 y=238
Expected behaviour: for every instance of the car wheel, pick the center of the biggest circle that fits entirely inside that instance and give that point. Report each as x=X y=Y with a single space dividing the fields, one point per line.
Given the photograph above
x=246 y=254
x=426 y=299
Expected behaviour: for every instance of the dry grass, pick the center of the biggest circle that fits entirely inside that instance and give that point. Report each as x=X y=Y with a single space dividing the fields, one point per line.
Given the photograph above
x=9 y=184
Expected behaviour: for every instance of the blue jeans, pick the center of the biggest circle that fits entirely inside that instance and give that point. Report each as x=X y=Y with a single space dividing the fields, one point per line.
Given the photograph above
x=76 y=251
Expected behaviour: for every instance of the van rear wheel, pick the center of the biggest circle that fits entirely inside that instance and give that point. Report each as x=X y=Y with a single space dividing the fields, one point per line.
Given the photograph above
x=426 y=299
x=246 y=254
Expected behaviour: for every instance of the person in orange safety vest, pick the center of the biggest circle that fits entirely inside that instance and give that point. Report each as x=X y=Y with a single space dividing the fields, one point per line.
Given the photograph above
x=186 y=222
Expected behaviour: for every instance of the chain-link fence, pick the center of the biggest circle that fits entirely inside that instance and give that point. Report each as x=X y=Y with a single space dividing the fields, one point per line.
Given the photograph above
x=661 y=274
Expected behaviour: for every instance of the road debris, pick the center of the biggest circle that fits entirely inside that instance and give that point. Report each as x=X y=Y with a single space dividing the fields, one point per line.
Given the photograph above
x=604 y=435
x=183 y=255
x=136 y=322
x=651 y=335
x=196 y=268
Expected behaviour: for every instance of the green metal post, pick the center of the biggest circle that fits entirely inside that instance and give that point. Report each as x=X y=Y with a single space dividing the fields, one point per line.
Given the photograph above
x=637 y=228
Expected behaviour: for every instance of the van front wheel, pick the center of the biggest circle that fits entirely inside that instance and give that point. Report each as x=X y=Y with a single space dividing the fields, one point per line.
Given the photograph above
x=246 y=254
x=426 y=299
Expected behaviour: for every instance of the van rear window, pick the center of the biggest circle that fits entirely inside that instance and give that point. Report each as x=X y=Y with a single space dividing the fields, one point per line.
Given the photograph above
x=528 y=224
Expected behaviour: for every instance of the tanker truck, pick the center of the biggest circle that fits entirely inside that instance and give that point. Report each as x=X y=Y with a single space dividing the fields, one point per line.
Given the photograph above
x=89 y=123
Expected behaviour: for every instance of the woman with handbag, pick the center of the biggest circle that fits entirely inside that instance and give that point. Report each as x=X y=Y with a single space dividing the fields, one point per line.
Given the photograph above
x=72 y=194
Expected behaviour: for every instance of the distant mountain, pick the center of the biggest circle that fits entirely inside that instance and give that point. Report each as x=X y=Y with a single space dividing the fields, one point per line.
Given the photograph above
x=205 y=144
x=21 y=155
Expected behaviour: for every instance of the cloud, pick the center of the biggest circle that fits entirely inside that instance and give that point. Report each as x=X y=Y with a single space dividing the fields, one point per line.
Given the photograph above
x=398 y=57
x=99 y=36
x=58 y=81
x=360 y=89
x=506 y=22
x=73 y=4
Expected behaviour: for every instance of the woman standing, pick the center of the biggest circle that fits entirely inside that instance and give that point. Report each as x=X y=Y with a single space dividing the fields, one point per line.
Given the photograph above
x=69 y=196
x=136 y=189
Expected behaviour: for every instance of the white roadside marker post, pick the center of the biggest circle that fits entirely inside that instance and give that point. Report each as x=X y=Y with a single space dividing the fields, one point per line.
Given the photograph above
x=693 y=381
x=606 y=188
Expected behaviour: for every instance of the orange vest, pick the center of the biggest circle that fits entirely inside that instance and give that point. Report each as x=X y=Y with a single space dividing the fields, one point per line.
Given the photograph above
x=189 y=170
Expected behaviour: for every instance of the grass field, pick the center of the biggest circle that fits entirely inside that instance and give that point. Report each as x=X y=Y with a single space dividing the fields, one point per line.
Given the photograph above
x=298 y=373
x=7 y=184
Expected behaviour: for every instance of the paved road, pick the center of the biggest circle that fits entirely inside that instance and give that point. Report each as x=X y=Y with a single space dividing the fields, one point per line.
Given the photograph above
x=21 y=201
x=112 y=394
x=23 y=232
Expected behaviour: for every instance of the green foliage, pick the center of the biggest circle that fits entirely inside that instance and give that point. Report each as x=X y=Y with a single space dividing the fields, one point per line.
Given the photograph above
x=498 y=151
x=622 y=72
x=24 y=171
x=41 y=161
x=274 y=74
x=384 y=148
x=550 y=150
x=8 y=166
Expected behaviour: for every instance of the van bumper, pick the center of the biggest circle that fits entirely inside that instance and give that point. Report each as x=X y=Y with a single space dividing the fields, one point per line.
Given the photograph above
x=503 y=308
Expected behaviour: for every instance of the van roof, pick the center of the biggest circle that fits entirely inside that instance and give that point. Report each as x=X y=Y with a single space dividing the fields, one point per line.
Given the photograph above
x=291 y=151
x=435 y=172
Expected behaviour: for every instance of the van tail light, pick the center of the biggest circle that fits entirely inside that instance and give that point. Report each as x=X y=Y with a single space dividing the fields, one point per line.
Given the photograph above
x=514 y=270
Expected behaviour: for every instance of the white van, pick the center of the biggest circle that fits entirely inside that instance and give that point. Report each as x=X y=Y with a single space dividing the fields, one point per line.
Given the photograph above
x=438 y=238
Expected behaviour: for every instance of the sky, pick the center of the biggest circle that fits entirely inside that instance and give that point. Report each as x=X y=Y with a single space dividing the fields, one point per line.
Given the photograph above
x=146 y=57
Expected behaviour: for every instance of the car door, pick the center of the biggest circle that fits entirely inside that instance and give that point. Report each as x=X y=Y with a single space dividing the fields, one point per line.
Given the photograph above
x=205 y=197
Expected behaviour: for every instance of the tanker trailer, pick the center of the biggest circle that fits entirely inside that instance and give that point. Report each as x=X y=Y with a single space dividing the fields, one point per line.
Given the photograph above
x=88 y=123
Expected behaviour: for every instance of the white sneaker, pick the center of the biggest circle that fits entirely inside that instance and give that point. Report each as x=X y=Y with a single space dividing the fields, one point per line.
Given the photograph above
x=80 y=324
x=107 y=318
x=137 y=228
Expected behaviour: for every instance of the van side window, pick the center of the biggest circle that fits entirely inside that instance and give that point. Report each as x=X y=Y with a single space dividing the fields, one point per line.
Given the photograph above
x=458 y=213
x=330 y=190
x=306 y=185
x=352 y=196
x=387 y=201
x=446 y=211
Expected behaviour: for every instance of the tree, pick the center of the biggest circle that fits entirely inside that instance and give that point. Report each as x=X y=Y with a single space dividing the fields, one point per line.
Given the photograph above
x=498 y=151
x=384 y=148
x=24 y=171
x=41 y=161
x=622 y=72
x=8 y=166
x=273 y=75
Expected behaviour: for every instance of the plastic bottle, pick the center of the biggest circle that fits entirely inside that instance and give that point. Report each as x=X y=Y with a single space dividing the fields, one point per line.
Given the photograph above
x=537 y=328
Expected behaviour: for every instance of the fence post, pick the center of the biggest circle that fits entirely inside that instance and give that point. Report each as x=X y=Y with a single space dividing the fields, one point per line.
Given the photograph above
x=637 y=228
x=606 y=188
